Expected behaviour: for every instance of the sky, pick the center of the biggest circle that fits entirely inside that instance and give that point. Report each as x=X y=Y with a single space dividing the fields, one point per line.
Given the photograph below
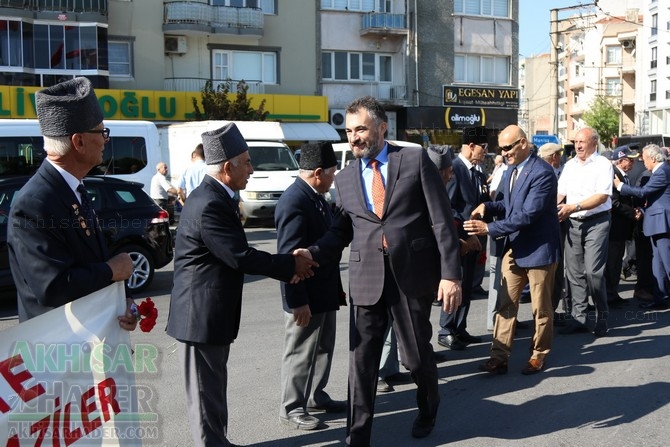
x=534 y=23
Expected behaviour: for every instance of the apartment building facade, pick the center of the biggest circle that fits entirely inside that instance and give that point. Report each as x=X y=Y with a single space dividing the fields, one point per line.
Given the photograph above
x=441 y=64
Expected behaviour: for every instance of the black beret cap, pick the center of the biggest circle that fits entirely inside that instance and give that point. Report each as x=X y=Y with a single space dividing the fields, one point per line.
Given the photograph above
x=476 y=135
x=223 y=144
x=441 y=156
x=68 y=108
x=317 y=155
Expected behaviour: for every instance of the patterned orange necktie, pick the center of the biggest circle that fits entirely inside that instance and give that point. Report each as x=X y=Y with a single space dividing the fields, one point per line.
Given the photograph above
x=378 y=190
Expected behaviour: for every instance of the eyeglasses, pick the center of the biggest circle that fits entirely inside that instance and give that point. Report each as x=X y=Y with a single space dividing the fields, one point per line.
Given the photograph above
x=509 y=147
x=104 y=132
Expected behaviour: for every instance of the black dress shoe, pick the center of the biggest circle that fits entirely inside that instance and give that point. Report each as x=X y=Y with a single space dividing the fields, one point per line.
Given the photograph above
x=451 y=342
x=479 y=290
x=467 y=339
x=521 y=325
x=601 y=328
x=617 y=303
x=301 y=421
x=573 y=327
x=422 y=426
x=332 y=406
x=494 y=366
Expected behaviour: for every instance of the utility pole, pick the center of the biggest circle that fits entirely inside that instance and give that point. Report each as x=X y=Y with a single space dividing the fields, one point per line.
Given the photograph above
x=553 y=60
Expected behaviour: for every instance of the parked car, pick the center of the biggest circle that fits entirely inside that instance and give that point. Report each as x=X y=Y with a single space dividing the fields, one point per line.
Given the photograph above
x=131 y=222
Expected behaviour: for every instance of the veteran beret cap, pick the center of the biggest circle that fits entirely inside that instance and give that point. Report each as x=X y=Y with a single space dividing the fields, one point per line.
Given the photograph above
x=441 y=156
x=223 y=144
x=68 y=108
x=317 y=155
x=475 y=135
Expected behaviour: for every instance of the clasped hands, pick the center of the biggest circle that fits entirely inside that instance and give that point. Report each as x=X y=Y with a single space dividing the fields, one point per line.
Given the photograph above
x=303 y=265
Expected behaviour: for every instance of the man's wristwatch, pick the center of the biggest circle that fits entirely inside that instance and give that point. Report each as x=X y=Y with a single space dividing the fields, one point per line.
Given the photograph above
x=578 y=207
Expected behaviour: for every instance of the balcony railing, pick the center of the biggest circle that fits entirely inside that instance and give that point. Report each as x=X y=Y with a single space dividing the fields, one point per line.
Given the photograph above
x=78 y=6
x=383 y=23
x=197 y=84
x=200 y=16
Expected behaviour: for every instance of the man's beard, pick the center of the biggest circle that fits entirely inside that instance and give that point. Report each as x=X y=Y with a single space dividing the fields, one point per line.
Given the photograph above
x=368 y=152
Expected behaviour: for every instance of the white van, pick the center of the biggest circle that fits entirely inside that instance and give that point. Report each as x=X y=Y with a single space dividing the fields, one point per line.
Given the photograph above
x=275 y=167
x=131 y=153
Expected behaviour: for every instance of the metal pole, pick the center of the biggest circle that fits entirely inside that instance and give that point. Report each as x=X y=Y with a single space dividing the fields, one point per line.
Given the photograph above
x=553 y=72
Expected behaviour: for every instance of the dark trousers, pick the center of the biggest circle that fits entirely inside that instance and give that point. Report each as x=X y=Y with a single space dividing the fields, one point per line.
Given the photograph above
x=456 y=323
x=660 y=264
x=643 y=254
x=411 y=323
x=615 y=253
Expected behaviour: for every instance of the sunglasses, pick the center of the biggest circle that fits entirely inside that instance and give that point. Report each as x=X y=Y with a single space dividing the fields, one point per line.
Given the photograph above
x=104 y=132
x=509 y=147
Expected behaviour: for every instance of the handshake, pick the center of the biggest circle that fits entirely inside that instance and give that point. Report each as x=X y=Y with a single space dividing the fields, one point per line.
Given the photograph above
x=303 y=265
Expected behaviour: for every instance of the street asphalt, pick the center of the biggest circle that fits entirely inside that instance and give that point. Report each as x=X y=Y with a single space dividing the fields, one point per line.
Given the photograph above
x=611 y=391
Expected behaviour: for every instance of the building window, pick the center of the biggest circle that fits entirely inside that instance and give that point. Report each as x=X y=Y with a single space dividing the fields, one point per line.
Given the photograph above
x=613 y=87
x=481 y=69
x=248 y=66
x=345 y=66
x=613 y=54
x=652 y=91
x=120 y=58
x=357 y=5
x=654 y=24
x=654 y=57
x=10 y=43
x=489 y=8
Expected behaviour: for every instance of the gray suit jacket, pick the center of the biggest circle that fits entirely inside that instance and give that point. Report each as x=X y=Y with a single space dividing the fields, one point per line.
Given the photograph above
x=417 y=222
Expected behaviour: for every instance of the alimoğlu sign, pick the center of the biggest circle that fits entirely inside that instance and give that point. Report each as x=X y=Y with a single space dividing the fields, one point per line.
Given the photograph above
x=470 y=96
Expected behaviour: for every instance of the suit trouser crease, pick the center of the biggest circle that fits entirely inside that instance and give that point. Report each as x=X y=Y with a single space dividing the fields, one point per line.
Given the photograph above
x=586 y=255
x=660 y=264
x=206 y=382
x=411 y=323
x=388 y=364
x=514 y=279
x=306 y=362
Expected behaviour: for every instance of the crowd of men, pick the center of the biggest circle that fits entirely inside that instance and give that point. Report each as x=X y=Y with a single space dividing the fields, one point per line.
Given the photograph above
x=415 y=222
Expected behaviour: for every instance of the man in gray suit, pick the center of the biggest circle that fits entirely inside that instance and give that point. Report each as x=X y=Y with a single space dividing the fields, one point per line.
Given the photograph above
x=395 y=213
x=211 y=257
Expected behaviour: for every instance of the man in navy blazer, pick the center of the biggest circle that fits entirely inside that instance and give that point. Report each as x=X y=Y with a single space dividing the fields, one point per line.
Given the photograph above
x=302 y=216
x=656 y=222
x=404 y=248
x=530 y=248
x=211 y=257
x=57 y=252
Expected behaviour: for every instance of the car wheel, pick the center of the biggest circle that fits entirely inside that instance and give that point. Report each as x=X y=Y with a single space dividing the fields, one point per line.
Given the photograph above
x=143 y=268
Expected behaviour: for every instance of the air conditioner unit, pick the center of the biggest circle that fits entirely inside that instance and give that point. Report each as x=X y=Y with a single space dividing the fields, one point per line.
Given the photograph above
x=628 y=43
x=337 y=118
x=175 y=44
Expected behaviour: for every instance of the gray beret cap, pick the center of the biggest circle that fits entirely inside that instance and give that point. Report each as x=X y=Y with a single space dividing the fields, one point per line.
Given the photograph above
x=441 y=156
x=68 y=108
x=317 y=155
x=223 y=144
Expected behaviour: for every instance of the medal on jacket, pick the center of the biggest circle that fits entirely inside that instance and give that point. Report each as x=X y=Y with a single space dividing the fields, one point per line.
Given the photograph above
x=80 y=219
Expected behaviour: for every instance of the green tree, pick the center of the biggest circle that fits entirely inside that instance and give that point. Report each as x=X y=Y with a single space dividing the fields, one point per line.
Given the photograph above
x=603 y=115
x=217 y=104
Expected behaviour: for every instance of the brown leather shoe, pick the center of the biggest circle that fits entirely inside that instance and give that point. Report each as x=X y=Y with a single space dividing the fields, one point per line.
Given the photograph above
x=533 y=366
x=494 y=366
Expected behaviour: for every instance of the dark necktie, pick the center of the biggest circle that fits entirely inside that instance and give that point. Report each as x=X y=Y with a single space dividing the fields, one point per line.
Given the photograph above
x=87 y=219
x=323 y=208
x=512 y=181
x=626 y=180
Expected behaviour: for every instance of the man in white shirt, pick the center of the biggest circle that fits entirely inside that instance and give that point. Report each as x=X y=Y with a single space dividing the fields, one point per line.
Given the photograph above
x=160 y=187
x=586 y=186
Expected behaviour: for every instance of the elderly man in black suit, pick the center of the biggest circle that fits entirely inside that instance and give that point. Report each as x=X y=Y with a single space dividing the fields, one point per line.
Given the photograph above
x=57 y=252
x=395 y=213
x=211 y=257
x=466 y=191
x=301 y=217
